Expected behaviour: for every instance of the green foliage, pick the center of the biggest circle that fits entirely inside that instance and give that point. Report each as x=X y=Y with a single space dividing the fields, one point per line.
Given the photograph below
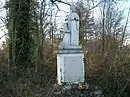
x=23 y=37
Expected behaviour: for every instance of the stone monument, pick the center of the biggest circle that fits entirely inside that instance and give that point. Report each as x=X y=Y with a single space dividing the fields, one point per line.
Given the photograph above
x=70 y=64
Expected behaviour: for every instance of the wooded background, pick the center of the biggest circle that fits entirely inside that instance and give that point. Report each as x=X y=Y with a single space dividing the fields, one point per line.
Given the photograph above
x=28 y=57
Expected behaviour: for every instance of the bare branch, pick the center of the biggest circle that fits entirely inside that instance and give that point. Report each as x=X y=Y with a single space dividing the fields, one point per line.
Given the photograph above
x=126 y=25
x=3 y=36
x=63 y=2
x=96 y=5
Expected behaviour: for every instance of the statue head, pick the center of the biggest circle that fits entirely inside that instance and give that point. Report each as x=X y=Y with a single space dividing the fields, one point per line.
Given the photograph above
x=73 y=8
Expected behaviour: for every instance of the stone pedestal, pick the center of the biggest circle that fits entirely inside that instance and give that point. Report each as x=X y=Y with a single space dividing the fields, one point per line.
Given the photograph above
x=70 y=66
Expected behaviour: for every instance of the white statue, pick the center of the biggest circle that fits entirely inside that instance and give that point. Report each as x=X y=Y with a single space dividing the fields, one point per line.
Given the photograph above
x=66 y=35
x=70 y=64
x=71 y=29
x=74 y=26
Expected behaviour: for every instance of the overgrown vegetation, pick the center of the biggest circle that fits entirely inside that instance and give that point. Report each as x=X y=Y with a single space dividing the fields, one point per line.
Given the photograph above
x=28 y=58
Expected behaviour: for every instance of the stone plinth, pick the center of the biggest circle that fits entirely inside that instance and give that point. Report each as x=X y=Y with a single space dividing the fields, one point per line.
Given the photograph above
x=70 y=66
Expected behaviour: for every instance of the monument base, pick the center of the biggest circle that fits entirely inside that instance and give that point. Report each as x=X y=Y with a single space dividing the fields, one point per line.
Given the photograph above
x=70 y=66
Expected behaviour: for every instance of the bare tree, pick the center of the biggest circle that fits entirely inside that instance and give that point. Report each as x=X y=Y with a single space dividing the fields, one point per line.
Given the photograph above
x=125 y=27
x=87 y=23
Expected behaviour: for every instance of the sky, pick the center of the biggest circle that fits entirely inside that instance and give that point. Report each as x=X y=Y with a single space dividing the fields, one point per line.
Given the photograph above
x=2 y=16
x=60 y=15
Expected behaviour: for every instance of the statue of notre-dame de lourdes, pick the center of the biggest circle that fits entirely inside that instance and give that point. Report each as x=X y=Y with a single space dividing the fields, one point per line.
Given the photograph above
x=71 y=29
x=70 y=64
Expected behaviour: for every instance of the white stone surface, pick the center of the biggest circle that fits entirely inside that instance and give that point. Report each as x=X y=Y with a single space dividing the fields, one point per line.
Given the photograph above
x=74 y=26
x=67 y=34
x=70 y=68
x=71 y=29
